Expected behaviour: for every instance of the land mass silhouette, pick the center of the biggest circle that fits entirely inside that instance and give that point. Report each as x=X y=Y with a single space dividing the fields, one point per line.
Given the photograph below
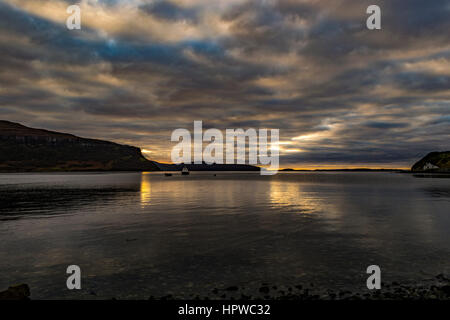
x=433 y=162
x=24 y=149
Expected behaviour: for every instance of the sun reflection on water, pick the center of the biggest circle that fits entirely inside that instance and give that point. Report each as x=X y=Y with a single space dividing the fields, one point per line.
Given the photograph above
x=145 y=190
x=293 y=195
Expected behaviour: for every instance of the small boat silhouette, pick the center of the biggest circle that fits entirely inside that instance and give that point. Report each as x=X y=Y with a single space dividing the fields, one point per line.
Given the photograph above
x=168 y=174
x=185 y=171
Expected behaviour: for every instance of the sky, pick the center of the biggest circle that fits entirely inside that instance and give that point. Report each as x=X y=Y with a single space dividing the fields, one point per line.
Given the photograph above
x=340 y=94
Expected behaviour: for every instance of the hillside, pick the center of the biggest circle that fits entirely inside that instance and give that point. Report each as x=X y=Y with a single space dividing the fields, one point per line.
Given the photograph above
x=24 y=149
x=433 y=162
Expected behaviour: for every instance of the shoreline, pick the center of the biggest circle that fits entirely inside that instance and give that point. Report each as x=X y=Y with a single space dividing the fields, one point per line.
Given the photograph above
x=436 y=288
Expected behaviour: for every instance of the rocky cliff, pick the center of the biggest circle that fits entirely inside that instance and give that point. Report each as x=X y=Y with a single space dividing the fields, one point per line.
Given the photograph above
x=24 y=149
x=433 y=162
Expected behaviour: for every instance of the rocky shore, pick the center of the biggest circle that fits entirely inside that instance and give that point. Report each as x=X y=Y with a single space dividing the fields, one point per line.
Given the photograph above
x=437 y=288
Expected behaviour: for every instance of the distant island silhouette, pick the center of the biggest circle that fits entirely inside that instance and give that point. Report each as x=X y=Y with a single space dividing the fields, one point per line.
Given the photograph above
x=349 y=170
x=433 y=162
x=24 y=149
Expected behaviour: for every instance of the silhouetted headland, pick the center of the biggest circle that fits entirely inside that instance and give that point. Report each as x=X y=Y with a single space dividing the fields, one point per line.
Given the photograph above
x=433 y=162
x=24 y=149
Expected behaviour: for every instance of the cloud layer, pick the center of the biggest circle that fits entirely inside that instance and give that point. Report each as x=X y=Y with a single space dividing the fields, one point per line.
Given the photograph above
x=340 y=94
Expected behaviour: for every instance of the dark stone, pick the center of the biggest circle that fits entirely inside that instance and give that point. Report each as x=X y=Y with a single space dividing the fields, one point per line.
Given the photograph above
x=264 y=289
x=232 y=288
x=441 y=277
x=16 y=292
x=446 y=290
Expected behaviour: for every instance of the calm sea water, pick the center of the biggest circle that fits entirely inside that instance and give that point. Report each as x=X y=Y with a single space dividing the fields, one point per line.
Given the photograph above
x=136 y=235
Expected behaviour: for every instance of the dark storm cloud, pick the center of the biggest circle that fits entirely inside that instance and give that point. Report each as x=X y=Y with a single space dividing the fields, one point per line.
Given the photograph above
x=168 y=10
x=386 y=125
x=423 y=82
x=418 y=17
x=339 y=93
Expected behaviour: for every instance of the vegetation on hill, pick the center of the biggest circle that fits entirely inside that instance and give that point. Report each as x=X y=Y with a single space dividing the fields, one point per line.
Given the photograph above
x=433 y=162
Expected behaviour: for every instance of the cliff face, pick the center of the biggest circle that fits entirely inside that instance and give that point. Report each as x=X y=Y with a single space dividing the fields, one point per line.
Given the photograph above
x=433 y=162
x=27 y=149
